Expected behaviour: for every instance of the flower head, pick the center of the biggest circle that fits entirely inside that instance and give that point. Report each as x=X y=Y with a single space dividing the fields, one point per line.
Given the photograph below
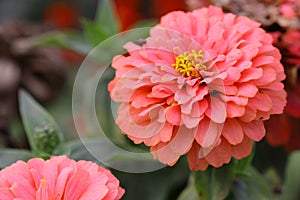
x=201 y=85
x=58 y=178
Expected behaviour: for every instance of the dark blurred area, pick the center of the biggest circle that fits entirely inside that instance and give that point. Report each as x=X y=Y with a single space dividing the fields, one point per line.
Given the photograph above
x=42 y=71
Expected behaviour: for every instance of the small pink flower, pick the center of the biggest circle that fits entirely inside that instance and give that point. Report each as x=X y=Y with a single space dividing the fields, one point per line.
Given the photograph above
x=202 y=85
x=56 y=179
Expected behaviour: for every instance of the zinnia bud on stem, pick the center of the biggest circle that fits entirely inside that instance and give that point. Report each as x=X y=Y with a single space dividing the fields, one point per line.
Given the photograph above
x=46 y=138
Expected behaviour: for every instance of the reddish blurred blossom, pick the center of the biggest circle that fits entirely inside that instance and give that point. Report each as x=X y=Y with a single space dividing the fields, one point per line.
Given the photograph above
x=160 y=8
x=62 y=15
x=283 y=130
x=290 y=43
x=131 y=11
x=278 y=130
x=128 y=12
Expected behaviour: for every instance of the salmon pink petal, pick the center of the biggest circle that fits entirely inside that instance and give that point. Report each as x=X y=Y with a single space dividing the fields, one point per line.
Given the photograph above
x=243 y=149
x=173 y=115
x=195 y=162
x=183 y=140
x=165 y=155
x=255 y=130
x=80 y=178
x=166 y=133
x=233 y=132
x=95 y=192
x=261 y=102
x=62 y=179
x=251 y=74
x=247 y=90
x=269 y=75
x=250 y=114
x=220 y=155
x=5 y=193
x=190 y=121
x=179 y=145
x=130 y=126
x=161 y=91
x=278 y=97
x=23 y=190
x=208 y=133
x=217 y=110
x=234 y=110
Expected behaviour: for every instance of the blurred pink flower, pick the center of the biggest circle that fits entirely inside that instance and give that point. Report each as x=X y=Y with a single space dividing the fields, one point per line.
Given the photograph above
x=290 y=8
x=290 y=45
x=58 y=178
x=201 y=85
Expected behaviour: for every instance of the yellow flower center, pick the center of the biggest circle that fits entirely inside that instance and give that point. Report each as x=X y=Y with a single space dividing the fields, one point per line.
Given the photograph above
x=189 y=64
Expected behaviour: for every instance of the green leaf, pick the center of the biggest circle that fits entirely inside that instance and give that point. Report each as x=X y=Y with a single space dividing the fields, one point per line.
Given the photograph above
x=253 y=186
x=66 y=40
x=189 y=192
x=291 y=187
x=106 y=19
x=98 y=150
x=242 y=166
x=9 y=156
x=93 y=33
x=214 y=183
x=41 y=129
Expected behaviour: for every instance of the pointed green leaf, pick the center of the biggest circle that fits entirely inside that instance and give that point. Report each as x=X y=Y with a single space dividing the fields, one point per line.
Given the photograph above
x=214 y=183
x=106 y=17
x=41 y=129
x=291 y=189
x=93 y=33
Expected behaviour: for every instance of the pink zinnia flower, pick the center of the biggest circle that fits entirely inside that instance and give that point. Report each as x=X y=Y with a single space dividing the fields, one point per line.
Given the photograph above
x=58 y=178
x=201 y=85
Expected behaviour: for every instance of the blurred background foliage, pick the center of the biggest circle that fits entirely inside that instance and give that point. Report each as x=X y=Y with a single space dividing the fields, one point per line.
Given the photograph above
x=42 y=45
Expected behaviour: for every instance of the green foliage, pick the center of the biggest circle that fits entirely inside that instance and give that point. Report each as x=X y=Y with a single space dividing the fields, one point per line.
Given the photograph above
x=253 y=186
x=242 y=166
x=41 y=129
x=190 y=191
x=64 y=40
x=9 y=156
x=214 y=183
x=106 y=18
x=291 y=187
